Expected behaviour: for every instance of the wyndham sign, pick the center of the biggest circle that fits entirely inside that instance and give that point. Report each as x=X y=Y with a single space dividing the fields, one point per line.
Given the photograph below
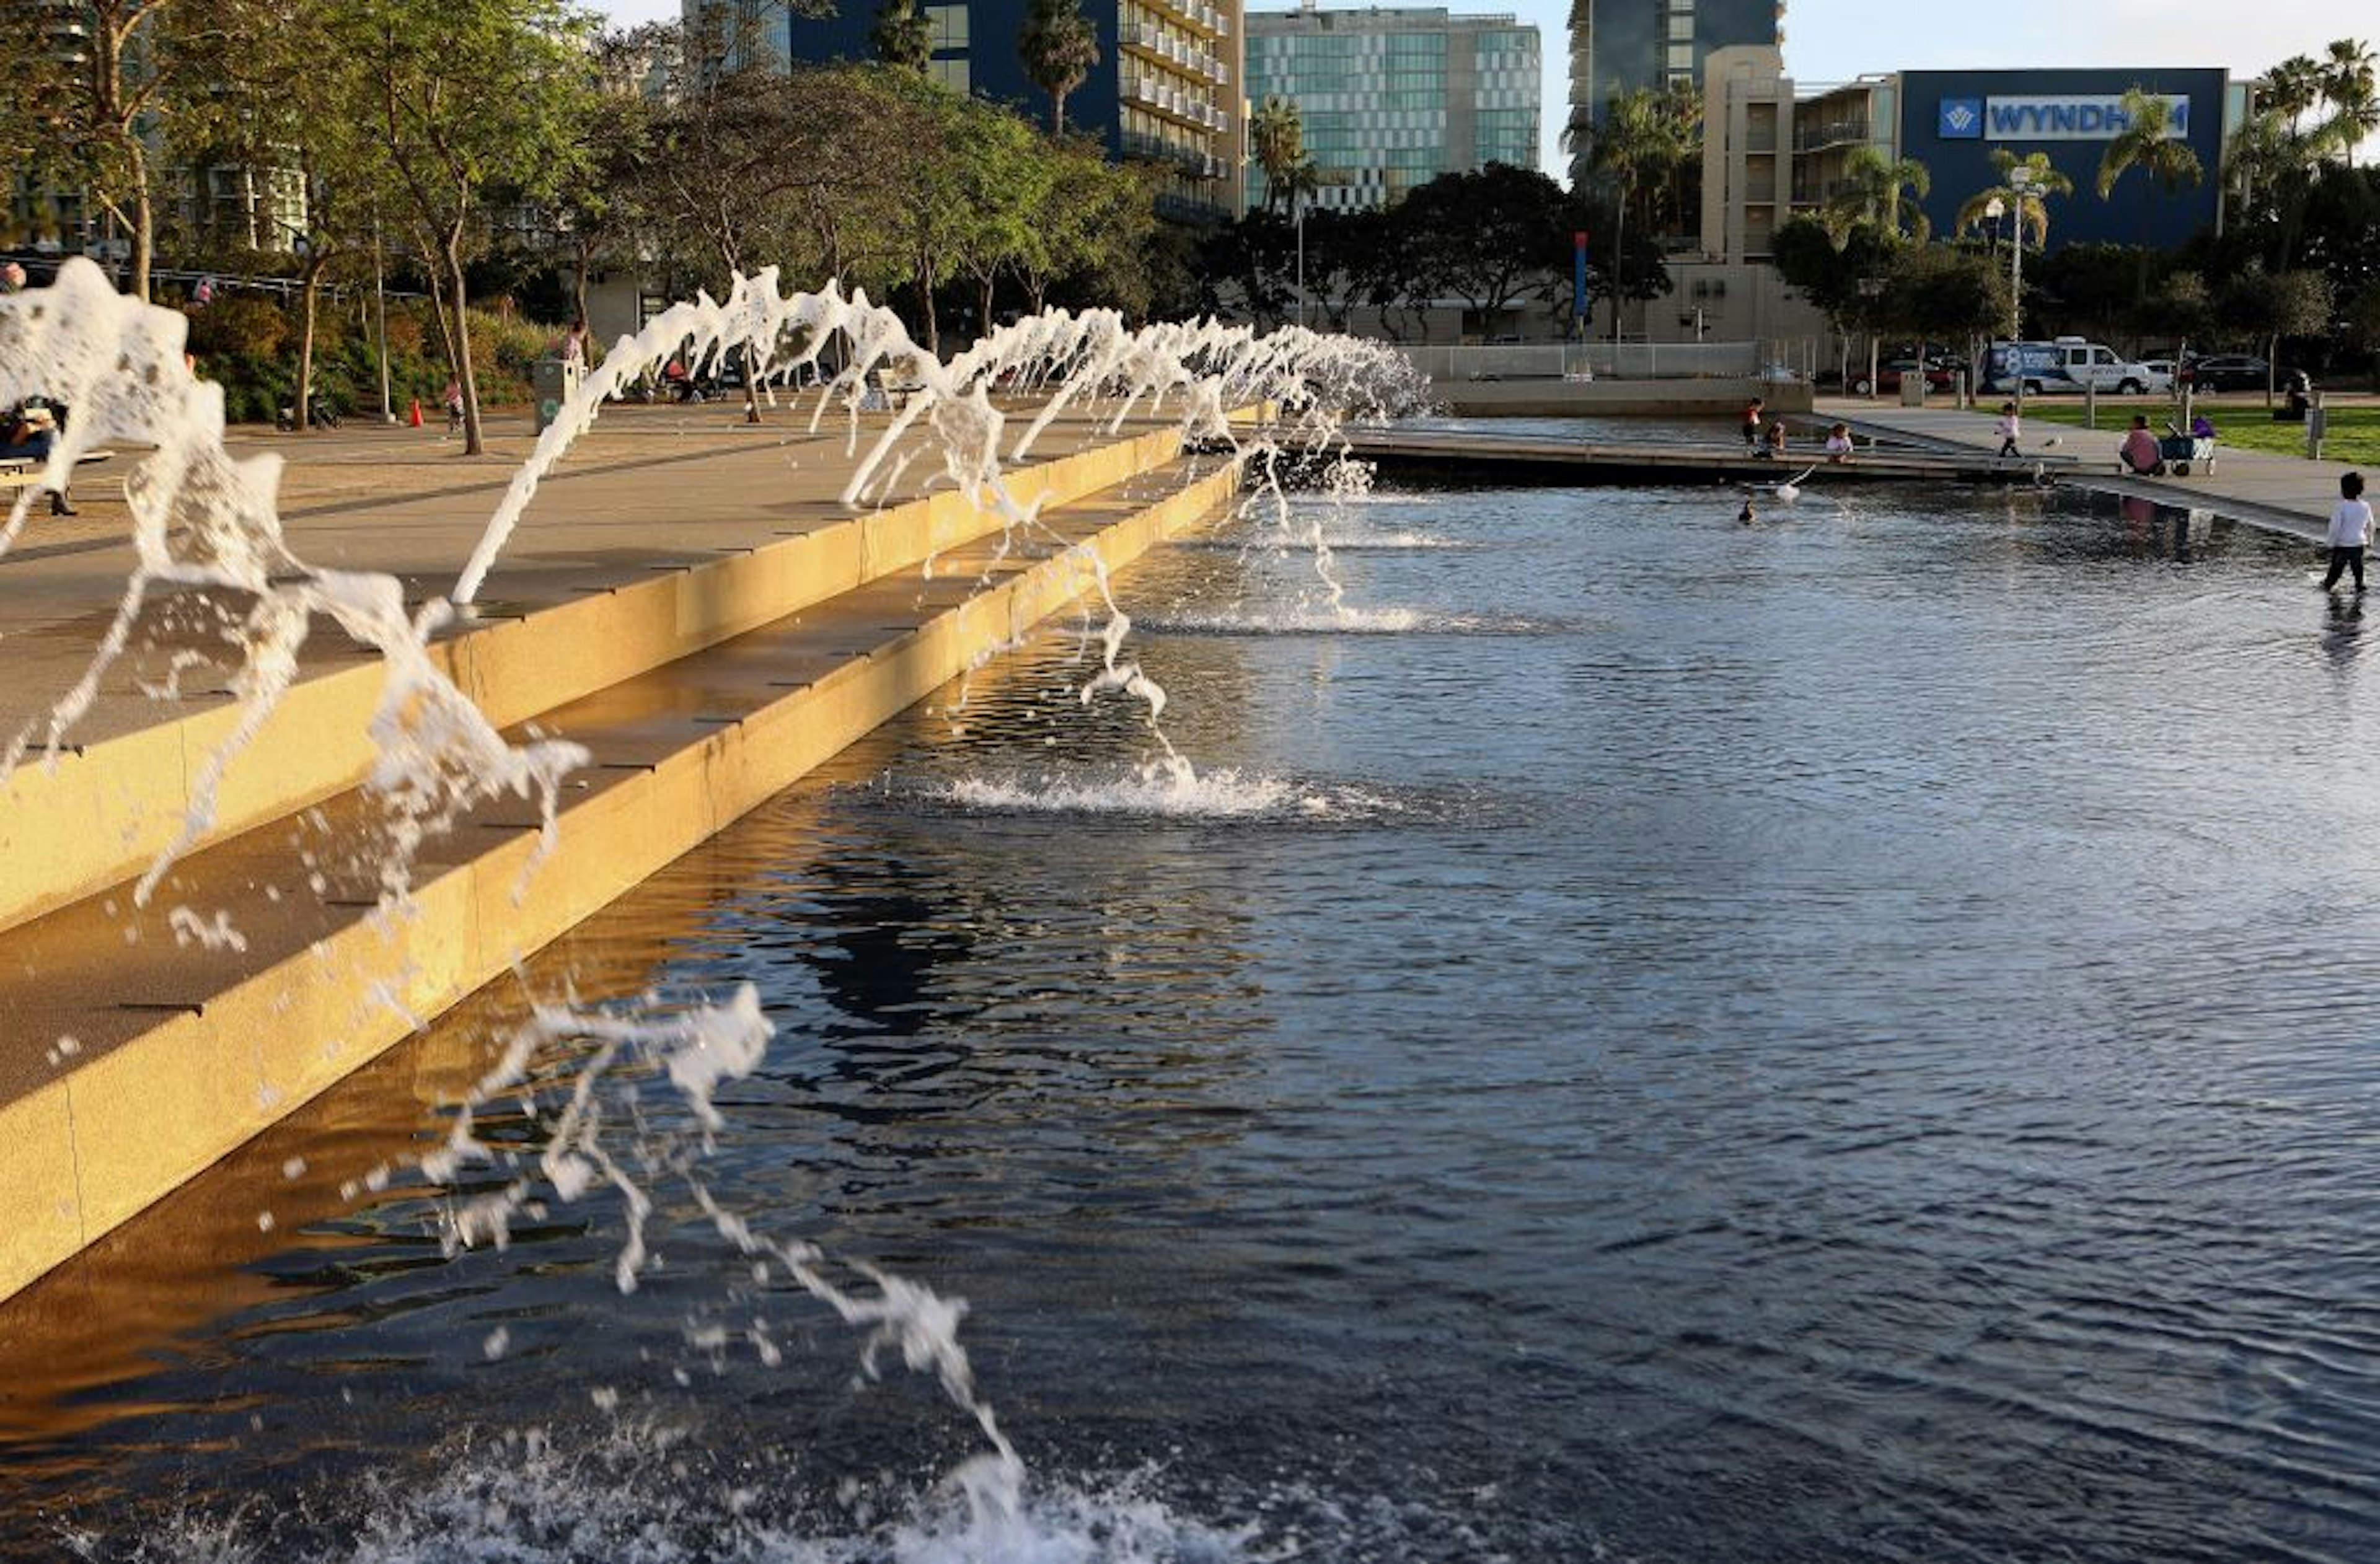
x=2063 y=117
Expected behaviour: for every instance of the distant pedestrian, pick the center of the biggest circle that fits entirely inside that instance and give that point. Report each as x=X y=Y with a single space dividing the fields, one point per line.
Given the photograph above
x=2351 y=531
x=2011 y=423
x=2138 y=455
x=1752 y=425
x=453 y=397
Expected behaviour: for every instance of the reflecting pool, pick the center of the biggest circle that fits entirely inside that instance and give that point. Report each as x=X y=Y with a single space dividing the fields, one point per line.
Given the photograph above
x=1843 y=1039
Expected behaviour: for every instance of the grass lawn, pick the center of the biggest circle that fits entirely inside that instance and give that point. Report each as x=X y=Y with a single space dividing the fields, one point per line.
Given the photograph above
x=2353 y=432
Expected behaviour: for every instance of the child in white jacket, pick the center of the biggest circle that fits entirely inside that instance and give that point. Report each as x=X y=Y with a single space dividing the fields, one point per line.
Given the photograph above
x=2351 y=531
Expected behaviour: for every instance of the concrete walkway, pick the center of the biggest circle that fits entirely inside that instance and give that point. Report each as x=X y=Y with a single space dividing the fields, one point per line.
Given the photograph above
x=2286 y=494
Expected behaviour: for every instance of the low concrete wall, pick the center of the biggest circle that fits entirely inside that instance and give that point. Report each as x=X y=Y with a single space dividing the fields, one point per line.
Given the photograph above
x=102 y=815
x=1615 y=398
x=97 y=1143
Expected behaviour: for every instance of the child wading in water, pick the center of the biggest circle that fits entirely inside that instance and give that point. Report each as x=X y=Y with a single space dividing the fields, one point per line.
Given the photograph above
x=2007 y=428
x=2351 y=531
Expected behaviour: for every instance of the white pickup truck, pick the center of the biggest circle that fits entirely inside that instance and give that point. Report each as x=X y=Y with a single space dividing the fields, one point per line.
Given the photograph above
x=2068 y=363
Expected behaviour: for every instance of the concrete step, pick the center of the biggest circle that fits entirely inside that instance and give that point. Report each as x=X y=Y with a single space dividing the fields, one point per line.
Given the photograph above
x=136 y=1055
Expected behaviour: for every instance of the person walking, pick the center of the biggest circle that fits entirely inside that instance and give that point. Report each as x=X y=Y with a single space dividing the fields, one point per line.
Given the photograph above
x=2011 y=423
x=2351 y=531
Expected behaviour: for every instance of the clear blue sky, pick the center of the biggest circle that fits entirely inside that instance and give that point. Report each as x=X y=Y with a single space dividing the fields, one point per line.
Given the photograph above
x=1837 y=39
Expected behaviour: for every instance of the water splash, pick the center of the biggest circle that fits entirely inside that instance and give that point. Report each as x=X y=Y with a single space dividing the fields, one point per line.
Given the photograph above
x=206 y=521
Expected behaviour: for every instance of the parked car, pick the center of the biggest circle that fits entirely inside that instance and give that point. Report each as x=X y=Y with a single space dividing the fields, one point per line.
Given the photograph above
x=2231 y=371
x=2167 y=368
x=1890 y=374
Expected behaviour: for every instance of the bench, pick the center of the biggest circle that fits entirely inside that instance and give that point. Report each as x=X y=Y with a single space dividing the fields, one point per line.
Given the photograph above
x=17 y=472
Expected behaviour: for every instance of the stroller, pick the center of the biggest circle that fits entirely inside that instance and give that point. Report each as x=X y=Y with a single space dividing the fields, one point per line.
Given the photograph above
x=2176 y=451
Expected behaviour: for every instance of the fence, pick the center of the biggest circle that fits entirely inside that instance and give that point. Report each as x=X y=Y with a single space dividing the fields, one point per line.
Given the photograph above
x=1606 y=360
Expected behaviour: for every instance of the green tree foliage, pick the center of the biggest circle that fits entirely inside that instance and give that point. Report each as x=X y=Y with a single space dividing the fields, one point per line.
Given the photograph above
x=2031 y=205
x=1277 y=141
x=458 y=101
x=1490 y=238
x=2269 y=306
x=902 y=36
x=1644 y=138
x=91 y=108
x=1060 y=48
x=1873 y=190
x=2148 y=143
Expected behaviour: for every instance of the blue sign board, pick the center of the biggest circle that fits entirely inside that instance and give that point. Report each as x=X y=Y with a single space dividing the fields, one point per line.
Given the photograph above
x=1963 y=119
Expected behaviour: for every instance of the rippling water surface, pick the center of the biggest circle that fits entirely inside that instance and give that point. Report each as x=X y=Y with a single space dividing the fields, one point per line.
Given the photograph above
x=1848 y=1038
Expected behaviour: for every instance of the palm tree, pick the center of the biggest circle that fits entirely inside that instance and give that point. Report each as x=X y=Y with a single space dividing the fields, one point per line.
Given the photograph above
x=2148 y=143
x=1870 y=195
x=2291 y=89
x=903 y=36
x=2351 y=85
x=1277 y=137
x=1058 y=46
x=1638 y=141
x=2030 y=204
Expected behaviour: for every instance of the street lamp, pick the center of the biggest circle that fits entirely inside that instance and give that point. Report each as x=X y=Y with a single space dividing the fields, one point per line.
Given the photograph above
x=2020 y=181
x=1297 y=209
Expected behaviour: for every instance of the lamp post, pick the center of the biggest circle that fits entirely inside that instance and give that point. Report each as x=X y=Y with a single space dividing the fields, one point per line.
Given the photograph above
x=2020 y=181
x=1297 y=208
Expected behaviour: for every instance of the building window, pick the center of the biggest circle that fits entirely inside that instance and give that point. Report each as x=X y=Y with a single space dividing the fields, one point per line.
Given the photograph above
x=953 y=74
x=950 y=25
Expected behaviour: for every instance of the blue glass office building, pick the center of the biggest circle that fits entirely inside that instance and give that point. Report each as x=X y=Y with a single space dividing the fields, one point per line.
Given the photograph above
x=1167 y=89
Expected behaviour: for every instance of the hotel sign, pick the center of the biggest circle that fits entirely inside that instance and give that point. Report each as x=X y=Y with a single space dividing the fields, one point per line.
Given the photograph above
x=2066 y=117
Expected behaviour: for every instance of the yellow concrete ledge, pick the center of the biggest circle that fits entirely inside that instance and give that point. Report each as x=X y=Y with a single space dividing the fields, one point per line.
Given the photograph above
x=88 y=1149
x=100 y=817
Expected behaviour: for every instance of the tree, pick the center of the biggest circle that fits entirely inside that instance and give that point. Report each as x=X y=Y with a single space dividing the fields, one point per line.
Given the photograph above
x=98 y=102
x=1938 y=294
x=1491 y=237
x=1002 y=175
x=903 y=36
x=1060 y=48
x=1640 y=140
x=2272 y=305
x=271 y=106
x=1871 y=193
x=2031 y=205
x=1846 y=281
x=459 y=101
x=1277 y=138
x=2148 y=143
x=2349 y=78
x=2362 y=323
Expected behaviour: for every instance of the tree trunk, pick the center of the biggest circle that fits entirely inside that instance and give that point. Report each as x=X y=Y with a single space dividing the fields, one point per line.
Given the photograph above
x=301 y=413
x=144 y=224
x=578 y=284
x=1058 y=113
x=1619 y=233
x=474 y=444
x=983 y=319
x=926 y=321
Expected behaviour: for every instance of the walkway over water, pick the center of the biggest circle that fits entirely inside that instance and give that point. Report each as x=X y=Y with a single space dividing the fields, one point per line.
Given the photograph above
x=1509 y=458
x=2287 y=494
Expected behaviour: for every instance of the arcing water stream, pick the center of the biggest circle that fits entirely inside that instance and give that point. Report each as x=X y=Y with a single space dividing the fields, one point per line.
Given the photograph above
x=206 y=523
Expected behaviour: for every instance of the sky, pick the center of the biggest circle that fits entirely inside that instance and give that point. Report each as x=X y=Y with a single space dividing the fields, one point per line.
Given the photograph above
x=1829 y=41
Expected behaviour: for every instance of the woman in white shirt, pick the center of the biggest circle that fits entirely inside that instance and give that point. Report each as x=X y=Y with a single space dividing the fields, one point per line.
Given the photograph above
x=2351 y=531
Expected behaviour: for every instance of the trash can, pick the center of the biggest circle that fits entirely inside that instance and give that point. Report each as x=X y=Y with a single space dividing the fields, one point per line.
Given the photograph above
x=1913 y=389
x=553 y=381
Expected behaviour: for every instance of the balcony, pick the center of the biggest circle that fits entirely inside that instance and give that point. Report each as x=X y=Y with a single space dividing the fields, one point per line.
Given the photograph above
x=1195 y=14
x=1168 y=97
x=1833 y=133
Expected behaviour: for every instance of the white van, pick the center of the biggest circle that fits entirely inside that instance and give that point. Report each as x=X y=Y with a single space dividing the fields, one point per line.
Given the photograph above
x=2070 y=363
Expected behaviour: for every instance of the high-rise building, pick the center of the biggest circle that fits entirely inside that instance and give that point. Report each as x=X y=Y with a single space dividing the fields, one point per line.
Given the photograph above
x=1617 y=46
x=1390 y=98
x=1167 y=89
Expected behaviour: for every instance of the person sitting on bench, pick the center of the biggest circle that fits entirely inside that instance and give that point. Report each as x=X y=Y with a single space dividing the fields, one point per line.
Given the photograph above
x=27 y=432
x=2138 y=454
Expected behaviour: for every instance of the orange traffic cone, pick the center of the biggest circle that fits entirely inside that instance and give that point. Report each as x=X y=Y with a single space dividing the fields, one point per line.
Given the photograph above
x=414 y=417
